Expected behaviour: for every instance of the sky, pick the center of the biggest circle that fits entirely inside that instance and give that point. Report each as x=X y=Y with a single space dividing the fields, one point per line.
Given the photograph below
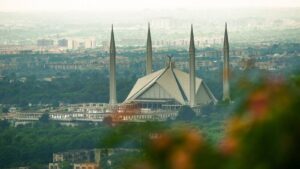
x=95 y=5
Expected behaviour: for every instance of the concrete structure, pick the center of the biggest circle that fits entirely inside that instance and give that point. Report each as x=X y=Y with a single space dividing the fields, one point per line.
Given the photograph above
x=112 y=68
x=226 y=87
x=149 y=52
x=192 y=51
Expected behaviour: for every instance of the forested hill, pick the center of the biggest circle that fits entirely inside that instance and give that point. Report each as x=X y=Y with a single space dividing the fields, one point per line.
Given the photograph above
x=77 y=87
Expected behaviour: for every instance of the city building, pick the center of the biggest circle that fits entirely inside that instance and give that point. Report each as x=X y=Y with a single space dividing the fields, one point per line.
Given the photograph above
x=63 y=43
x=89 y=43
x=82 y=158
x=87 y=159
x=45 y=42
x=75 y=44
x=74 y=156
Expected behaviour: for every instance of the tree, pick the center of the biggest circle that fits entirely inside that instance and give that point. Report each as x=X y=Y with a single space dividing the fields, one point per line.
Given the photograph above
x=5 y=109
x=65 y=165
x=4 y=124
x=55 y=104
x=186 y=113
x=108 y=120
x=44 y=118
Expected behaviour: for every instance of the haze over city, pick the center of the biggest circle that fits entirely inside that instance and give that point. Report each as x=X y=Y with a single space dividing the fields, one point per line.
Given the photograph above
x=128 y=5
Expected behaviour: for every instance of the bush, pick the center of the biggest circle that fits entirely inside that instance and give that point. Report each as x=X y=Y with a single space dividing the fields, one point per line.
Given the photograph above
x=186 y=113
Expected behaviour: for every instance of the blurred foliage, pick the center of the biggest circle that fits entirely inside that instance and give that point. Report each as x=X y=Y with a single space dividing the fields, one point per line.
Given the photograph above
x=265 y=131
x=130 y=135
x=264 y=134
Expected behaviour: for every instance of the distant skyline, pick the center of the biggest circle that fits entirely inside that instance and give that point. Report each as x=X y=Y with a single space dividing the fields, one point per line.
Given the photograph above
x=103 y=5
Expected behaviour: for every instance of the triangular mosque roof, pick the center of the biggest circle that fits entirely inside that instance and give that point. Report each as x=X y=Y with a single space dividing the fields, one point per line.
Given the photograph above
x=170 y=83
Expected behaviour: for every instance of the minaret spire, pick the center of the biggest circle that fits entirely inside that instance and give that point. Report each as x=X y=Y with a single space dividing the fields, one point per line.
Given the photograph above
x=192 y=52
x=226 y=88
x=112 y=68
x=149 y=52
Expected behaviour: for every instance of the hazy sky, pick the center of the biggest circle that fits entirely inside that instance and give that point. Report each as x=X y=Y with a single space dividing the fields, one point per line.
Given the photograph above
x=66 y=5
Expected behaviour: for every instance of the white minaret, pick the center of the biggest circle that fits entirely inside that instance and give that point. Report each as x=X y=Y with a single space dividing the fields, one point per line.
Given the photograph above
x=149 y=52
x=112 y=70
x=226 y=88
x=192 y=69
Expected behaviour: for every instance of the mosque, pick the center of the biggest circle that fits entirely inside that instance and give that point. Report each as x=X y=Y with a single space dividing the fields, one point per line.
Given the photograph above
x=169 y=87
